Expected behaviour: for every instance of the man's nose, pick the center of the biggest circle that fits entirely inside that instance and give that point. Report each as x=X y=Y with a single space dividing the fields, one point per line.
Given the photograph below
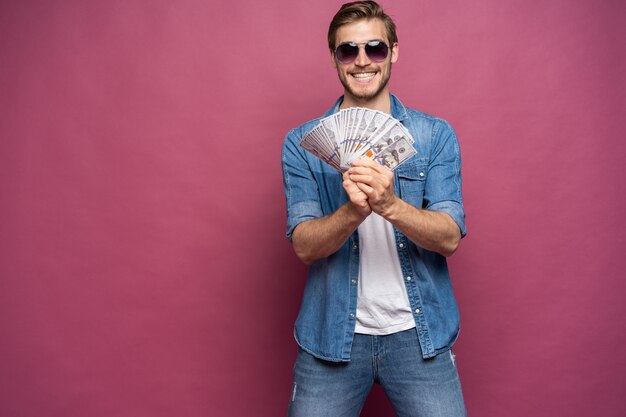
x=361 y=59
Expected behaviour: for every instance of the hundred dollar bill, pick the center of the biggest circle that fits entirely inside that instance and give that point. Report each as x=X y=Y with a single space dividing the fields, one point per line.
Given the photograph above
x=347 y=135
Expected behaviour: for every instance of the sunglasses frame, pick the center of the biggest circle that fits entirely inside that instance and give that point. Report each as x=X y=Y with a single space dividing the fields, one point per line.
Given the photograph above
x=363 y=45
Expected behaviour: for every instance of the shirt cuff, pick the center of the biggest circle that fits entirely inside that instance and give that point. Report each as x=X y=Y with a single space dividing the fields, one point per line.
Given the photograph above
x=300 y=212
x=454 y=209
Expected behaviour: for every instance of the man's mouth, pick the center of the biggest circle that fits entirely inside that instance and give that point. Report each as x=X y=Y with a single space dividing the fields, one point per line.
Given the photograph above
x=363 y=75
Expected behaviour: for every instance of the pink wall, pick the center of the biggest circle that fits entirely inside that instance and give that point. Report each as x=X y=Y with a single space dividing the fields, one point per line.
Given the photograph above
x=144 y=269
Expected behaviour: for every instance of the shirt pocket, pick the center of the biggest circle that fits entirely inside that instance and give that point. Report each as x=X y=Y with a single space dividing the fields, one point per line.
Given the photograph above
x=412 y=182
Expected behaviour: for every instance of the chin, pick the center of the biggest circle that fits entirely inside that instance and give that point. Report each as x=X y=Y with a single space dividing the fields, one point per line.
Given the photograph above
x=365 y=94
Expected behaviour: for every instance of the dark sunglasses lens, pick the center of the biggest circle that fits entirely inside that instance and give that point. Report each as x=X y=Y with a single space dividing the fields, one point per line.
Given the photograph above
x=376 y=51
x=346 y=53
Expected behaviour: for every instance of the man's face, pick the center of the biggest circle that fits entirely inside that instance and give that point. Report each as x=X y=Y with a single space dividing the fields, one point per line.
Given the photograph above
x=363 y=78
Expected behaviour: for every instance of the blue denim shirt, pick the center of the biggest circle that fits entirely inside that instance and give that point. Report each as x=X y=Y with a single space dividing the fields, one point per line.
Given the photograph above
x=432 y=180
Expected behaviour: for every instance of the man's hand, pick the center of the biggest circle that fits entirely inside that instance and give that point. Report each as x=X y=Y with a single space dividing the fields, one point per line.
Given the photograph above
x=432 y=230
x=319 y=238
x=357 y=197
x=375 y=183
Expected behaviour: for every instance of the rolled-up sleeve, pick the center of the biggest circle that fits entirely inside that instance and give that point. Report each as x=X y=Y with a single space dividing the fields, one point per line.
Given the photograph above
x=443 y=186
x=301 y=190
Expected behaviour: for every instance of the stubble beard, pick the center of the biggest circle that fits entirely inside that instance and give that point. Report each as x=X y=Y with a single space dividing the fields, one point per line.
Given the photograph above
x=365 y=96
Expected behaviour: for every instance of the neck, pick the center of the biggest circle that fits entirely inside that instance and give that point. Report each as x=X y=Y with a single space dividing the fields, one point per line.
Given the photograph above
x=382 y=102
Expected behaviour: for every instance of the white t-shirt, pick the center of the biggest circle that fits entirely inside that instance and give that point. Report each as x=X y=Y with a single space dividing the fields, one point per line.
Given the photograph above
x=382 y=303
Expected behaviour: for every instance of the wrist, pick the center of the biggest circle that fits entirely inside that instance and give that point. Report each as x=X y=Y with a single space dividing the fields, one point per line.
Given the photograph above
x=355 y=213
x=392 y=210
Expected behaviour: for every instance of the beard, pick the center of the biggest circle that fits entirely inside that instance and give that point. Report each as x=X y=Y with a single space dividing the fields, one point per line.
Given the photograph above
x=365 y=96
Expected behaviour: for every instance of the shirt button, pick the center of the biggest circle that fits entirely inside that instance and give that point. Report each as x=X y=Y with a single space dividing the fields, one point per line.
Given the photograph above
x=355 y=247
x=401 y=245
x=417 y=310
x=354 y=281
x=421 y=174
x=408 y=278
x=351 y=315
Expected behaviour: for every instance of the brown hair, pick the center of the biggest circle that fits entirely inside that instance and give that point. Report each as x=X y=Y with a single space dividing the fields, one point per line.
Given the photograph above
x=351 y=12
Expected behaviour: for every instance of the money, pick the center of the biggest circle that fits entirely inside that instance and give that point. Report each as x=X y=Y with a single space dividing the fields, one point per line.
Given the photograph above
x=353 y=133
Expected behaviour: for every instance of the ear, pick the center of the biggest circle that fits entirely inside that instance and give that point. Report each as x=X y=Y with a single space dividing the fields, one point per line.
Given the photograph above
x=394 y=52
x=333 y=61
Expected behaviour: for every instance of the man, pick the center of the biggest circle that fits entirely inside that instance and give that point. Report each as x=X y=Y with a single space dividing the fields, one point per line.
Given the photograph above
x=378 y=303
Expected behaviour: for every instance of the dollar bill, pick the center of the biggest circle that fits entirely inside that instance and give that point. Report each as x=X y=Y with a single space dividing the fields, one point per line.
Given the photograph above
x=356 y=132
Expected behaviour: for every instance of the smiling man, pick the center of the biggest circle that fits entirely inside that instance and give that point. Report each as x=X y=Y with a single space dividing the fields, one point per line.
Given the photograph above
x=378 y=305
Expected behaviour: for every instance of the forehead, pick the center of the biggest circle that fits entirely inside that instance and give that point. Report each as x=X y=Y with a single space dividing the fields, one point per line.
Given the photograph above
x=361 y=31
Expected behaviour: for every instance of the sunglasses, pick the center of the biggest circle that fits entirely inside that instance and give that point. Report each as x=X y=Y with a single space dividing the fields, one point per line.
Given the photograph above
x=376 y=51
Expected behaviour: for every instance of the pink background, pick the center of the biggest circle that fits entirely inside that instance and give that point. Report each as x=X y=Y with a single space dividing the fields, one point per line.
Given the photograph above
x=144 y=268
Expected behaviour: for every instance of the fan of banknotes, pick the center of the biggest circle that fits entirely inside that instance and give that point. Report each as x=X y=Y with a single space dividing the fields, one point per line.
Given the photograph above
x=345 y=136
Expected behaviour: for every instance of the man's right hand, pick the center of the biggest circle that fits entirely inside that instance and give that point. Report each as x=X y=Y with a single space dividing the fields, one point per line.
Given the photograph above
x=357 y=197
x=319 y=238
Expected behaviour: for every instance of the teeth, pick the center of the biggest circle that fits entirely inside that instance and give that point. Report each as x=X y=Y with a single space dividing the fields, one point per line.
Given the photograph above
x=363 y=74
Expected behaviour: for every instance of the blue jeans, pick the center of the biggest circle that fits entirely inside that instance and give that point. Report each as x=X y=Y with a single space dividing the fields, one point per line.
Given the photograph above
x=415 y=386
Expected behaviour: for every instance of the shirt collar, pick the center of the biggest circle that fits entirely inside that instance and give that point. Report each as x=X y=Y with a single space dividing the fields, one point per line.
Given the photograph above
x=398 y=111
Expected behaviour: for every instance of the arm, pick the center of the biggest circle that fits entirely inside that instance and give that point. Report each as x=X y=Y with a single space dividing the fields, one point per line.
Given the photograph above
x=318 y=238
x=432 y=230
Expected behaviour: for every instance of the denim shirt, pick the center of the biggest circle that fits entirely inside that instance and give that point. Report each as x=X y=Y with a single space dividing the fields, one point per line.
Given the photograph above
x=431 y=179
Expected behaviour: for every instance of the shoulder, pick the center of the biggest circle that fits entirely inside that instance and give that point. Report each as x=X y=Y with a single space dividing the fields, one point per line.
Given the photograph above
x=418 y=121
x=431 y=134
x=426 y=122
x=292 y=152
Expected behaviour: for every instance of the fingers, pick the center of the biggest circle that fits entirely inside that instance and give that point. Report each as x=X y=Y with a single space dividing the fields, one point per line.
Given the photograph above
x=351 y=187
x=374 y=181
x=353 y=190
x=369 y=170
x=370 y=163
x=366 y=189
x=357 y=197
